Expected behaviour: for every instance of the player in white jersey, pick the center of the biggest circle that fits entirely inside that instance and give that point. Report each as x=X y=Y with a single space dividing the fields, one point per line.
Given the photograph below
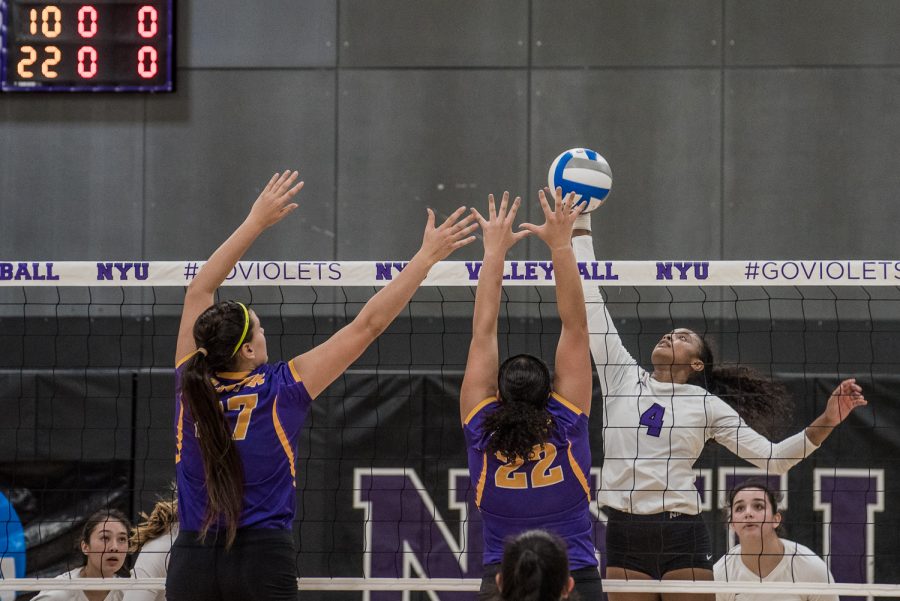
x=655 y=425
x=762 y=555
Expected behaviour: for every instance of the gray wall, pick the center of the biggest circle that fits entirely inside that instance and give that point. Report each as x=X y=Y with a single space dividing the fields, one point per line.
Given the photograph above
x=752 y=128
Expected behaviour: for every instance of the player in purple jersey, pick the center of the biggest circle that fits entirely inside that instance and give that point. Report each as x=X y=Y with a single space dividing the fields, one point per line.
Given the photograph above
x=238 y=417
x=527 y=436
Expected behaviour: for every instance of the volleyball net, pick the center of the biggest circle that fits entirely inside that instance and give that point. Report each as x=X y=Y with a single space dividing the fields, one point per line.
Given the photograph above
x=86 y=387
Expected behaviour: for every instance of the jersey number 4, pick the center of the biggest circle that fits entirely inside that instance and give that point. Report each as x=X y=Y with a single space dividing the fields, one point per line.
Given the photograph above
x=653 y=419
x=542 y=474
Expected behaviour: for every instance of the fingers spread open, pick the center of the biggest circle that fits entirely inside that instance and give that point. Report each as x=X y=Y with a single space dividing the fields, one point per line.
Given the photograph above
x=504 y=203
x=453 y=217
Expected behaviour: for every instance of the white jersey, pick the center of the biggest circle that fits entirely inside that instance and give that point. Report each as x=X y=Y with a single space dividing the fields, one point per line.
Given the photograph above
x=153 y=562
x=799 y=564
x=73 y=595
x=653 y=432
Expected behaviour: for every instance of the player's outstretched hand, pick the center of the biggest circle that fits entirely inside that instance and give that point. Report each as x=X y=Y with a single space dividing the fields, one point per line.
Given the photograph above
x=845 y=398
x=275 y=201
x=556 y=232
x=438 y=242
x=497 y=228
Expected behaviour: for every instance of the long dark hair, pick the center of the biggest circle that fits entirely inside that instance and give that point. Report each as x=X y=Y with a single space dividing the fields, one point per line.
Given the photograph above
x=535 y=567
x=218 y=330
x=764 y=404
x=774 y=497
x=521 y=421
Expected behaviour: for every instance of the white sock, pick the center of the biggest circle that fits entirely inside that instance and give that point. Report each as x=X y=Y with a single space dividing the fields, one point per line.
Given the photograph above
x=583 y=222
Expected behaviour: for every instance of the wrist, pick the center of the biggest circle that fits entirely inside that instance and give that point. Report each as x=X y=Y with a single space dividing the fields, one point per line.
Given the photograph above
x=255 y=223
x=494 y=255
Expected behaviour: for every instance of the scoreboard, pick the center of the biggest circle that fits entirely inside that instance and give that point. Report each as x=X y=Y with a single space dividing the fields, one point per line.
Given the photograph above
x=83 y=46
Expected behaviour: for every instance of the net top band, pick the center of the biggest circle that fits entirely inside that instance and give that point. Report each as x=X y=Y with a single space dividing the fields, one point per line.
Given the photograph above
x=836 y=272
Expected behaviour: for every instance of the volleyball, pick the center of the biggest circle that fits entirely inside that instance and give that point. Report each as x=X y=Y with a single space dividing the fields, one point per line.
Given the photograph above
x=584 y=172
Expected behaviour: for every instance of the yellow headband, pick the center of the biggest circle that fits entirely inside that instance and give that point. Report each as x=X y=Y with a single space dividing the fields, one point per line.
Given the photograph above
x=246 y=327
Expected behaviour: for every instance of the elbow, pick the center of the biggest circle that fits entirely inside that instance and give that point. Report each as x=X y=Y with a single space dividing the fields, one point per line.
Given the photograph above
x=372 y=327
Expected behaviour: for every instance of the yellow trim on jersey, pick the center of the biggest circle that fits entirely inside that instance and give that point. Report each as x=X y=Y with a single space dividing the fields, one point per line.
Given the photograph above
x=576 y=469
x=294 y=371
x=233 y=375
x=479 y=490
x=285 y=443
x=478 y=408
x=248 y=382
x=181 y=361
x=567 y=404
x=179 y=436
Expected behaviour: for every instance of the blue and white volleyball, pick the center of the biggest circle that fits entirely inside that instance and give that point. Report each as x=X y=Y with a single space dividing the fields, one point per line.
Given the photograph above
x=584 y=172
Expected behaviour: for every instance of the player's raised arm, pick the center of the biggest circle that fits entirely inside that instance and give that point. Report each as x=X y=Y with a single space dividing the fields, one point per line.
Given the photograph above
x=846 y=397
x=274 y=203
x=480 y=380
x=572 y=377
x=321 y=365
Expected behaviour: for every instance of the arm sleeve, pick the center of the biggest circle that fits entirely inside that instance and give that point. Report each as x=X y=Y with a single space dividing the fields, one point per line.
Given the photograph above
x=614 y=363
x=733 y=433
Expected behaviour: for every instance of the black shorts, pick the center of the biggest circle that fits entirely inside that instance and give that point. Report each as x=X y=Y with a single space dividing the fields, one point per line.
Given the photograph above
x=260 y=566
x=658 y=543
x=587 y=582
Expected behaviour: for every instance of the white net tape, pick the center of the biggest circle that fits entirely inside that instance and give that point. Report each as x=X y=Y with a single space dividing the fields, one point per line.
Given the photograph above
x=454 y=584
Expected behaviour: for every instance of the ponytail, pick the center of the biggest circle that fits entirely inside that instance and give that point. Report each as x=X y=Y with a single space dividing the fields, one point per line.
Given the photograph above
x=535 y=568
x=764 y=404
x=215 y=333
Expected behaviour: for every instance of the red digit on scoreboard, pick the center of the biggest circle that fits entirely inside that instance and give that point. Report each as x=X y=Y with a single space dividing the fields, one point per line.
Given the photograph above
x=87 y=21
x=87 y=62
x=148 y=54
x=147 y=18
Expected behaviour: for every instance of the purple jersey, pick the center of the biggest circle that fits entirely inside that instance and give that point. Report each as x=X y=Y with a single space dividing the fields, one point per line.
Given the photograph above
x=550 y=492
x=266 y=409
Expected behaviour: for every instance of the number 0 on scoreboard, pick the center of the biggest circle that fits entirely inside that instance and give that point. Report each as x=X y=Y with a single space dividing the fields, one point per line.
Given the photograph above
x=82 y=46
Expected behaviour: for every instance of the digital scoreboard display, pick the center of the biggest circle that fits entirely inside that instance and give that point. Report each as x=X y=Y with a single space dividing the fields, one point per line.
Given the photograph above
x=84 y=46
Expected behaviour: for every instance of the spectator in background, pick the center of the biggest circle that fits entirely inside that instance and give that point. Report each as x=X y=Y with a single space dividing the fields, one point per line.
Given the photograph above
x=104 y=543
x=152 y=540
x=762 y=555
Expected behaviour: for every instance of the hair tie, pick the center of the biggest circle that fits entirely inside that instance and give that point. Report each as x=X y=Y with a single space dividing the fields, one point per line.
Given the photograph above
x=202 y=351
x=240 y=341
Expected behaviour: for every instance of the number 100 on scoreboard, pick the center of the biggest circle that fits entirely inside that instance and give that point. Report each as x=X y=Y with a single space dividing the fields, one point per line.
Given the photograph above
x=74 y=46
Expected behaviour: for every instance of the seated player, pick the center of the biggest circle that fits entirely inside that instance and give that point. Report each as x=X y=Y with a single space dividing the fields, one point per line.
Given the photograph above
x=762 y=555
x=152 y=541
x=104 y=543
